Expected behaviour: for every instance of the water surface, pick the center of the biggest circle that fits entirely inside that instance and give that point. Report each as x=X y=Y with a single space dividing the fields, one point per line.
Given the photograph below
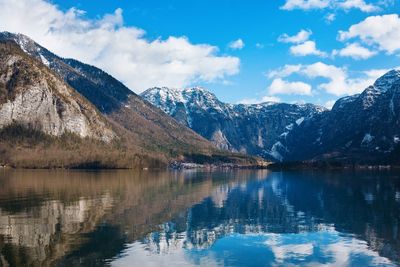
x=233 y=218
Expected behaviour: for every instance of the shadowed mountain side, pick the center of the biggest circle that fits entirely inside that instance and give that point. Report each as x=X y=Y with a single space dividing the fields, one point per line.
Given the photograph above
x=360 y=129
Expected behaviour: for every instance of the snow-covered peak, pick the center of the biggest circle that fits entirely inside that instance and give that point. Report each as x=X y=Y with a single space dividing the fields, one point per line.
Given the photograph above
x=164 y=94
x=198 y=96
x=199 y=92
x=385 y=82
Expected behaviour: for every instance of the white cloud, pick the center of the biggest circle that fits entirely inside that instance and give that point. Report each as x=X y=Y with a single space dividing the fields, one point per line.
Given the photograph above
x=300 y=37
x=306 y=49
x=303 y=47
x=279 y=86
x=376 y=73
x=237 y=45
x=271 y=99
x=355 y=51
x=333 y=4
x=336 y=77
x=285 y=71
x=120 y=50
x=338 y=81
x=382 y=31
x=358 y=4
x=305 y=4
x=264 y=99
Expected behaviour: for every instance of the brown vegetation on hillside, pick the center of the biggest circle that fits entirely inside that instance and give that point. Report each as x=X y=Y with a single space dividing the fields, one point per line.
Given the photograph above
x=22 y=147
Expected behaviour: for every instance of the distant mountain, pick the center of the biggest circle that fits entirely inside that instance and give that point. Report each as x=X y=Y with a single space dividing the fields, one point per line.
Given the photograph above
x=363 y=128
x=253 y=129
x=141 y=129
x=359 y=128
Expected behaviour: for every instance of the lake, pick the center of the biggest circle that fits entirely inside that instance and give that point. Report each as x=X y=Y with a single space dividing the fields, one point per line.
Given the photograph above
x=193 y=218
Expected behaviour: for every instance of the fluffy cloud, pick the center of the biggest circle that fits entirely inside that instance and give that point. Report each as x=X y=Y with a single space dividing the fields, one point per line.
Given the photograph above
x=303 y=47
x=355 y=51
x=285 y=71
x=382 y=31
x=358 y=4
x=280 y=86
x=300 y=37
x=305 y=4
x=122 y=51
x=306 y=49
x=338 y=81
x=332 y=4
x=336 y=77
x=237 y=45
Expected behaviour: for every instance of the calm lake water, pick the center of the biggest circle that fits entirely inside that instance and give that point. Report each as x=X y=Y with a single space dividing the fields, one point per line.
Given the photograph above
x=234 y=218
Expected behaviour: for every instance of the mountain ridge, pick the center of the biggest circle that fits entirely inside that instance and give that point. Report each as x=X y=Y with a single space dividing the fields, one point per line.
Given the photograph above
x=142 y=130
x=361 y=128
x=252 y=129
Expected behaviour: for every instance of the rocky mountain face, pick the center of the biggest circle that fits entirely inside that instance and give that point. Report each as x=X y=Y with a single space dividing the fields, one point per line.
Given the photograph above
x=253 y=129
x=362 y=128
x=30 y=94
x=147 y=127
x=359 y=128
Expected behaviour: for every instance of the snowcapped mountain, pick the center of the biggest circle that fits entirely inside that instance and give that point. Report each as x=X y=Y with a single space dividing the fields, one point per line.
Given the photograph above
x=254 y=129
x=360 y=128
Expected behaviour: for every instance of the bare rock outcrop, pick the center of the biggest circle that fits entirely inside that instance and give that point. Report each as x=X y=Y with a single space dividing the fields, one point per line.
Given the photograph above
x=31 y=94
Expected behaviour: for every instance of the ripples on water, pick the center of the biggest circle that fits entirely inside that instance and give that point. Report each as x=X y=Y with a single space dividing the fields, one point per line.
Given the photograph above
x=235 y=218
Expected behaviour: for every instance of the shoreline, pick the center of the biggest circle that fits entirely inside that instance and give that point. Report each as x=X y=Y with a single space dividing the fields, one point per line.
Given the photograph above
x=322 y=165
x=272 y=166
x=172 y=166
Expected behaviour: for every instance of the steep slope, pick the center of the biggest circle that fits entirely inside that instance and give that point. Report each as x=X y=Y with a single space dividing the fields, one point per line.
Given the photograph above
x=30 y=94
x=359 y=128
x=253 y=129
x=149 y=127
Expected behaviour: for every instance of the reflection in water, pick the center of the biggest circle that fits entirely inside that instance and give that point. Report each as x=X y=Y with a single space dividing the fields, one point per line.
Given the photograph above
x=238 y=218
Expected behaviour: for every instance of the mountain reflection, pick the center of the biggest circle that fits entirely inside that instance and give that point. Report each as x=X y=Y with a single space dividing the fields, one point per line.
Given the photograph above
x=68 y=218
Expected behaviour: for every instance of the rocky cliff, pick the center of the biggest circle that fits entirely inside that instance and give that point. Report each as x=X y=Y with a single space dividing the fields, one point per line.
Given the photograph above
x=254 y=129
x=362 y=128
x=30 y=94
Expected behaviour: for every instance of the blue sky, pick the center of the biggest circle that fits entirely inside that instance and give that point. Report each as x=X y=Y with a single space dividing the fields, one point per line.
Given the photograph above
x=251 y=71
